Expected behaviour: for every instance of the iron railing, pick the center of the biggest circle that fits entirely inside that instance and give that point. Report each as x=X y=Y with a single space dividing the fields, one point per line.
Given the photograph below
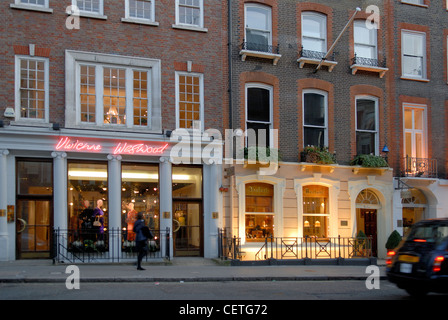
x=251 y=46
x=315 y=54
x=80 y=246
x=369 y=62
x=281 y=248
x=420 y=167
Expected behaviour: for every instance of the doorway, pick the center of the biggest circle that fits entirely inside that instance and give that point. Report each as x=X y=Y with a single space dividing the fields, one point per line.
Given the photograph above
x=370 y=227
x=33 y=228
x=188 y=228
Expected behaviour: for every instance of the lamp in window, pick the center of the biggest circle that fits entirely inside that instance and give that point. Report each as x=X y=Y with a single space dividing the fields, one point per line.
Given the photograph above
x=306 y=224
x=317 y=224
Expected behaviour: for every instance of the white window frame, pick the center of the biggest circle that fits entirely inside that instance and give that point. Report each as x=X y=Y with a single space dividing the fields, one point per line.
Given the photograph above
x=413 y=131
x=18 y=4
x=269 y=16
x=91 y=14
x=374 y=45
x=148 y=21
x=377 y=122
x=424 y=66
x=323 y=21
x=187 y=26
x=18 y=118
x=74 y=60
x=415 y=2
x=271 y=110
x=325 y=127
x=201 y=99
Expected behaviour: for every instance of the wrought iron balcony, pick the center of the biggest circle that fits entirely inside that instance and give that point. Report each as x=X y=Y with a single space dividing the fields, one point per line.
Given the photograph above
x=260 y=50
x=368 y=64
x=420 y=167
x=315 y=57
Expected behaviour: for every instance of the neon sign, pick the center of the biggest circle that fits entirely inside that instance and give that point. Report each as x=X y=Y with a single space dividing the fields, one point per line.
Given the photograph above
x=67 y=144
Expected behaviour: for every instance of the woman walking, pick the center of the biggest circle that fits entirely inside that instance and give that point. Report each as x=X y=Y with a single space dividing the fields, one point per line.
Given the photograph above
x=140 y=239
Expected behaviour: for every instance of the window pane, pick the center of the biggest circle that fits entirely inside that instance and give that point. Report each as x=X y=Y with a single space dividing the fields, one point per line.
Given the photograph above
x=314 y=26
x=258 y=134
x=258 y=104
x=413 y=66
x=408 y=118
x=314 y=109
x=314 y=137
x=114 y=96
x=418 y=119
x=258 y=18
x=365 y=143
x=189 y=100
x=364 y=35
x=34 y=177
x=365 y=111
x=140 y=102
x=139 y=193
x=32 y=89
x=88 y=95
x=187 y=182
x=258 y=227
x=413 y=44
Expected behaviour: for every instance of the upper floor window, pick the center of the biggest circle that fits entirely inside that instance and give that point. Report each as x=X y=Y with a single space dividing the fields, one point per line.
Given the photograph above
x=367 y=125
x=32 y=88
x=34 y=5
x=258 y=28
x=112 y=92
x=415 y=131
x=190 y=13
x=315 y=109
x=419 y=2
x=314 y=32
x=140 y=9
x=42 y=3
x=259 y=102
x=90 y=7
x=413 y=54
x=189 y=100
x=365 y=40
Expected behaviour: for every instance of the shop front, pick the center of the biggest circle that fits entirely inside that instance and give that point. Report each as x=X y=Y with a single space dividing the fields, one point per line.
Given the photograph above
x=89 y=190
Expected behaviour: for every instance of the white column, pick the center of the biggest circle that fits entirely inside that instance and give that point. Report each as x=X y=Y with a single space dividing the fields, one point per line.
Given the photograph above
x=166 y=203
x=60 y=190
x=212 y=212
x=114 y=204
x=3 y=206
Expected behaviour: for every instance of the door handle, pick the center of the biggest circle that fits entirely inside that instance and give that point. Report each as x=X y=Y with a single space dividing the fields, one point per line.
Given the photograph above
x=24 y=225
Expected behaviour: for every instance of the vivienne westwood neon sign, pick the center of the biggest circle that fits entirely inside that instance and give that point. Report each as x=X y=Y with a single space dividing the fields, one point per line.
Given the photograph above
x=68 y=144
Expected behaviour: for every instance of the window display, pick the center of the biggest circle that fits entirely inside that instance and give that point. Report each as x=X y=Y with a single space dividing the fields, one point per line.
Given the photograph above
x=315 y=211
x=139 y=193
x=87 y=202
x=259 y=201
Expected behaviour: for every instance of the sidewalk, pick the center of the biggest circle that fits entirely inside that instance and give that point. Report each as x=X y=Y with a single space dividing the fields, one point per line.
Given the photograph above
x=177 y=270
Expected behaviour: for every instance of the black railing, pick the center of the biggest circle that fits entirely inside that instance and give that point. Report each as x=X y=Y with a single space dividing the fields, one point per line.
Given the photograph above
x=79 y=246
x=369 y=62
x=315 y=55
x=260 y=47
x=420 y=167
x=281 y=248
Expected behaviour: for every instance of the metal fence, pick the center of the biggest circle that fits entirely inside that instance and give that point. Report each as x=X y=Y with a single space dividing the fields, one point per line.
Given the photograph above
x=80 y=246
x=281 y=248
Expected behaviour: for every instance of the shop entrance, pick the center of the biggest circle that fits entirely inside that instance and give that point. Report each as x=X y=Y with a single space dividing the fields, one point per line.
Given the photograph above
x=188 y=228
x=33 y=227
x=370 y=227
x=367 y=206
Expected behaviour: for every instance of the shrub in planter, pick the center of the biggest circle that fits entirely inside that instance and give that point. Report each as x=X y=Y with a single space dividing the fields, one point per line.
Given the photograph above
x=369 y=161
x=319 y=155
x=393 y=241
x=264 y=154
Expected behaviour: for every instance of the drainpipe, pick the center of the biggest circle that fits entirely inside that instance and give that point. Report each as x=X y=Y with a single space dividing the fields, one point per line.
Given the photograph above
x=229 y=47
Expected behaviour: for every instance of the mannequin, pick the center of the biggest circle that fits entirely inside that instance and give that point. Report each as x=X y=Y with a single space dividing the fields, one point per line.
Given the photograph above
x=131 y=218
x=99 y=212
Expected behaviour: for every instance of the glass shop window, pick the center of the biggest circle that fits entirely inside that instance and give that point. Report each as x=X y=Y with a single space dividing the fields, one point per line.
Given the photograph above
x=315 y=211
x=259 y=211
x=139 y=193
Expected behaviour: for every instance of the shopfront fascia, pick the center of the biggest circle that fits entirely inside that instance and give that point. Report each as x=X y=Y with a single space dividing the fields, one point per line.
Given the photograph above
x=113 y=166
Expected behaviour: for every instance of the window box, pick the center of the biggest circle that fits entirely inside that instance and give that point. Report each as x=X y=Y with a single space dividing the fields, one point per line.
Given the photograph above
x=370 y=65
x=317 y=155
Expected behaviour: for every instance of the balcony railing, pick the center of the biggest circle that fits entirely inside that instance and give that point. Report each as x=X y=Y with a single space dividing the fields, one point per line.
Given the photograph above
x=369 y=64
x=250 y=46
x=315 y=58
x=420 y=167
x=80 y=246
x=281 y=248
x=315 y=54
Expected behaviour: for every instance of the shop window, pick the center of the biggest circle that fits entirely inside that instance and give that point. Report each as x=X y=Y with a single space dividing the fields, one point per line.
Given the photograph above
x=315 y=211
x=414 y=207
x=87 y=198
x=259 y=211
x=139 y=193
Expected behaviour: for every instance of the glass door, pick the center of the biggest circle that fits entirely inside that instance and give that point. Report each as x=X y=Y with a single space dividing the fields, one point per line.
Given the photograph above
x=187 y=228
x=33 y=227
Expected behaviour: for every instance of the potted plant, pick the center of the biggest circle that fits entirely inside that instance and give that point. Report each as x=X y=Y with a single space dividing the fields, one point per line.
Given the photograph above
x=319 y=155
x=393 y=241
x=369 y=161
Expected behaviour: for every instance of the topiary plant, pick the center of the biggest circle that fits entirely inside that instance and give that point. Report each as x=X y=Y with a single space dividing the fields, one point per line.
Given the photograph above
x=393 y=241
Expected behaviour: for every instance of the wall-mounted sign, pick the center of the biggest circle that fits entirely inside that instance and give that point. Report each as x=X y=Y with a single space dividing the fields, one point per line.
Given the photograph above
x=121 y=147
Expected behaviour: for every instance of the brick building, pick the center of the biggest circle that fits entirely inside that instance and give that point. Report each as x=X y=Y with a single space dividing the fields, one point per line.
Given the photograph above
x=91 y=91
x=351 y=103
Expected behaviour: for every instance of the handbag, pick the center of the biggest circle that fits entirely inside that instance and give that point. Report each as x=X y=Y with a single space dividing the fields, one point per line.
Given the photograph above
x=147 y=232
x=97 y=222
